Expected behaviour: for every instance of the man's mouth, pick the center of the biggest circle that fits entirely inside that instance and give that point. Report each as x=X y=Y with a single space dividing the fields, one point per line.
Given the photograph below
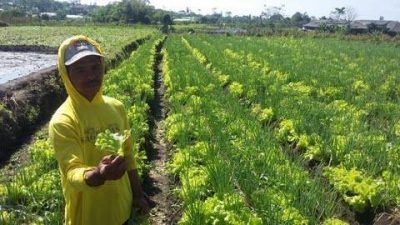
x=93 y=84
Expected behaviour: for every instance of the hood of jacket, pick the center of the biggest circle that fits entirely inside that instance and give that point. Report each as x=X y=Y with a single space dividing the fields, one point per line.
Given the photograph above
x=74 y=95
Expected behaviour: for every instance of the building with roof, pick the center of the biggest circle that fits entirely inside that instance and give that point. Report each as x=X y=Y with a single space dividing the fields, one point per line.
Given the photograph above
x=319 y=24
x=74 y=17
x=357 y=26
x=49 y=14
x=185 y=20
x=393 y=28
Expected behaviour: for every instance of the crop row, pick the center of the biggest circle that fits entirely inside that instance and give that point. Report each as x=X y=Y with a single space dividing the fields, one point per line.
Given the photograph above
x=231 y=170
x=327 y=114
x=34 y=196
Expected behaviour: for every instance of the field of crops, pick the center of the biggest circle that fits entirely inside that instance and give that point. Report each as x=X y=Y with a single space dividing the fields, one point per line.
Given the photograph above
x=328 y=108
x=274 y=130
x=112 y=38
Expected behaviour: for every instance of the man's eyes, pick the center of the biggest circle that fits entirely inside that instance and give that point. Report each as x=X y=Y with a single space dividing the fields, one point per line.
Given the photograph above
x=97 y=67
x=79 y=70
x=83 y=69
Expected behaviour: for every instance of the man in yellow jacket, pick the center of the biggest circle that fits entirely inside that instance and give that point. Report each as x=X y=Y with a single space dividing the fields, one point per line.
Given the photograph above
x=99 y=189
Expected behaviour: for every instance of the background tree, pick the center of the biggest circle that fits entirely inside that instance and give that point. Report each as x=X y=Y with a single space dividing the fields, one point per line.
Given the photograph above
x=298 y=19
x=338 y=13
x=45 y=17
x=347 y=13
x=167 y=22
x=61 y=14
x=273 y=17
x=350 y=13
x=271 y=11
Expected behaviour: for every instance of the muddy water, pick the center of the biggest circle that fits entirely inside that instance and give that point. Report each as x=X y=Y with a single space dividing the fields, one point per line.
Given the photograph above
x=15 y=65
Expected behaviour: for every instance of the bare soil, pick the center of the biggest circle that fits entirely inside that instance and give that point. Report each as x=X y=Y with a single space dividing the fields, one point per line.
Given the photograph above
x=29 y=48
x=26 y=103
x=392 y=218
x=157 y=184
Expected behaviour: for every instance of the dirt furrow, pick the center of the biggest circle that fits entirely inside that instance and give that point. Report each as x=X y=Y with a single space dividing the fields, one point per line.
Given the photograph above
x=157 y=184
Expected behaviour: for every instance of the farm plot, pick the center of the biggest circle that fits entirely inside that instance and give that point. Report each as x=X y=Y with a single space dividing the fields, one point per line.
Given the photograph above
x=262 y=131
x=47 y=38
x=231 y=171
x=331 y=104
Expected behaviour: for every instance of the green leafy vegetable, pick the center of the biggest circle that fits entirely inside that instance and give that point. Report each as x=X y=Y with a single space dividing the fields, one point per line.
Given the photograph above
x=112 y=142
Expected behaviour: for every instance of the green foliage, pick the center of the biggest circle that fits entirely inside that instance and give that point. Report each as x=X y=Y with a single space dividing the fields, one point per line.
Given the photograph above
x=334 y=221
x=236 y=89
x=358 y=190
x=127 y=11
x=229 y=209
x=327 y=111
x=112 y=142
x=167 y=20
x=220 y=151
x=34 y=195
x=265 y=115
x=287 y=132
x=298 y=19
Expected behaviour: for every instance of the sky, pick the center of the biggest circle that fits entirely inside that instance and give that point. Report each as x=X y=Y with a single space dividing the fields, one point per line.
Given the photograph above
x=365 y=9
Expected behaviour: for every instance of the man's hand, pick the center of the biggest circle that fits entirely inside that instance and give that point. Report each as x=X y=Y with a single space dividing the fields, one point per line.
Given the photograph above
x=111 y=167
x=142 y=204
x=139 y=198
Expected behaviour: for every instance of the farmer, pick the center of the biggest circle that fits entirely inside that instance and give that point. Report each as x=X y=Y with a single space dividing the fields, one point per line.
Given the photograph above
x=99 y=188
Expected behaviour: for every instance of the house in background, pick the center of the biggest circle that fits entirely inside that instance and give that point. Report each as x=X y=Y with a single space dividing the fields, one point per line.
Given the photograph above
x=74 y=17
x=318 y=24
x=187 y=19
x=356 y=26
x=393 y=28
x=48 y=14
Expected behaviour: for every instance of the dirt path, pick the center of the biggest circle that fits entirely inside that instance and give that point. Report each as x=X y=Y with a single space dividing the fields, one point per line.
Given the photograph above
x=158 y=184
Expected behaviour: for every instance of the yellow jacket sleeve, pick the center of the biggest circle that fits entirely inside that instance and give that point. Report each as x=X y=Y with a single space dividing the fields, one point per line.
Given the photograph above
x=69 y=155
x=128 y=144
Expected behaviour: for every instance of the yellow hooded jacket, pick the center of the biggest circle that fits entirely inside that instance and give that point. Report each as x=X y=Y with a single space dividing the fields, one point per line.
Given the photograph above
x=72 y=131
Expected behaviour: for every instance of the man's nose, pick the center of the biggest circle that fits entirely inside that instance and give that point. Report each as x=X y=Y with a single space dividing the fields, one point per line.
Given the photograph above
x=91 y=75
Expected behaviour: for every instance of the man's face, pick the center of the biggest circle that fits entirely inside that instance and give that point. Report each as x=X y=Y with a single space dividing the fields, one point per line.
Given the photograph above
x=86 y=75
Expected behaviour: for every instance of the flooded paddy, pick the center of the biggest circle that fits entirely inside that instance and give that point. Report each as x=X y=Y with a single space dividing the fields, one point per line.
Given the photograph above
x=15 y=65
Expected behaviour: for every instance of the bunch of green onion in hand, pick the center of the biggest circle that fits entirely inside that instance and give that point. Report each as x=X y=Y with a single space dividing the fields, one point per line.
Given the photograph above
x=112 y=142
